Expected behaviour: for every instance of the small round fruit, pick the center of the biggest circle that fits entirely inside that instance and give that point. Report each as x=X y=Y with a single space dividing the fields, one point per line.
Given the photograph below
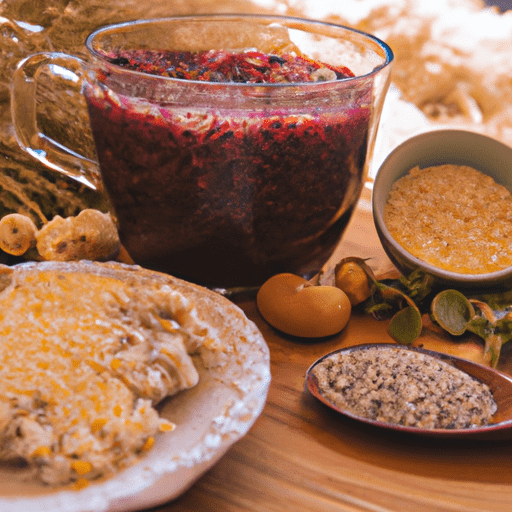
x=352 y=279
x=292 y=305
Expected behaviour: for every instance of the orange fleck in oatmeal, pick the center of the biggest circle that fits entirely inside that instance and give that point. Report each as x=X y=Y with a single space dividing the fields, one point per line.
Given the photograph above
x=453 y=217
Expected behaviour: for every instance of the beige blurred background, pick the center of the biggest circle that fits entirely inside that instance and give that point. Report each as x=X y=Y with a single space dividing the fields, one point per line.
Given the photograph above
x=453 y=67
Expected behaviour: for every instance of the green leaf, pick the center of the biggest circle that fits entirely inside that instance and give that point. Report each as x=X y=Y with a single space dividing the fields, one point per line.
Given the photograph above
x=406 y=325
x=418 y=284
x=452 y=311
x=497 y=301
x=387 y=300
x=480 y=326
x=504 y=327
x=392 y=295
x=380 y=311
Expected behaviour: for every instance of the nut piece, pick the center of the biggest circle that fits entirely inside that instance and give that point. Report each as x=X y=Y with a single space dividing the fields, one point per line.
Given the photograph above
x=292 y=305
x=91 y=235
x=17 y=234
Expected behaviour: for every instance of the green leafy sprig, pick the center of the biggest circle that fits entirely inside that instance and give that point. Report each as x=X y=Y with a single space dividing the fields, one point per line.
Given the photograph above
x=406 y=299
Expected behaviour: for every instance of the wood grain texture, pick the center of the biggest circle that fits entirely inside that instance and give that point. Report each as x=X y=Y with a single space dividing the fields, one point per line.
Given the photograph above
x=302 y=456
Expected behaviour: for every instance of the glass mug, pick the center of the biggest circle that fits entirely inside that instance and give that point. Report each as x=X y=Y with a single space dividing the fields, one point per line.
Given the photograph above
x=224 y=184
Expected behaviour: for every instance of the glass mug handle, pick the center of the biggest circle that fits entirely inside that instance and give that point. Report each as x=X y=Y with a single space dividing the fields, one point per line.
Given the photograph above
x=23 y=110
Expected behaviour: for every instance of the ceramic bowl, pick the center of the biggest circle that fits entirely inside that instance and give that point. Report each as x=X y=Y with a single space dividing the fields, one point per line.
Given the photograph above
x=435 y=148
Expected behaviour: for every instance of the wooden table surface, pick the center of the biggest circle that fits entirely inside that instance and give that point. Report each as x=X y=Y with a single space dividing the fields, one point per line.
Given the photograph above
x=301 y=456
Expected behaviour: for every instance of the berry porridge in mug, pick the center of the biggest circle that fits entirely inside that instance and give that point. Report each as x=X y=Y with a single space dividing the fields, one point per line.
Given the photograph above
x=233 y=147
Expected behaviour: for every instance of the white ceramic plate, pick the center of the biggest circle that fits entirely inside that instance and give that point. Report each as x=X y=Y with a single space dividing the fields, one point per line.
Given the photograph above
x=232 y=390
